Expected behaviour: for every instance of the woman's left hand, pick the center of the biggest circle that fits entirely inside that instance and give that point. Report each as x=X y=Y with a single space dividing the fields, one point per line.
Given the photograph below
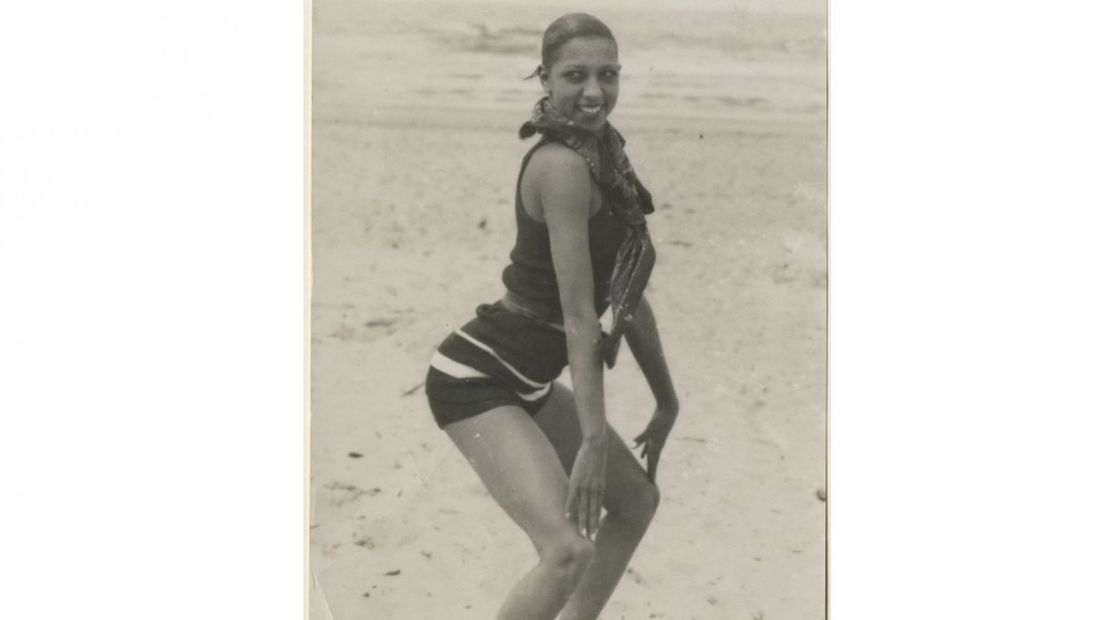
x=655 y=436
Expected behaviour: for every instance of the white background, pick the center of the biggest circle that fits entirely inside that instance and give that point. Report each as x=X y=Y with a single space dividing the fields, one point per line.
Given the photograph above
x=152 y=322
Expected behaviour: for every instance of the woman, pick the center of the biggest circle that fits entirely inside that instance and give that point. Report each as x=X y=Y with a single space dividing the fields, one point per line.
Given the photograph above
x=547 y=456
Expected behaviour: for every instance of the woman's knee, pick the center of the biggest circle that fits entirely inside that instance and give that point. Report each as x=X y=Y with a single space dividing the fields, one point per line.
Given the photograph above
x=569 y=556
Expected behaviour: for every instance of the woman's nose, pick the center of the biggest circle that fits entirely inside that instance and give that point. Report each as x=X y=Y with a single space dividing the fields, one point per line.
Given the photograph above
x=591 y=88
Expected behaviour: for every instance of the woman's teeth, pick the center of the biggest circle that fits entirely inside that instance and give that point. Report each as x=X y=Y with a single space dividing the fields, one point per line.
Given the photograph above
x=591 y=110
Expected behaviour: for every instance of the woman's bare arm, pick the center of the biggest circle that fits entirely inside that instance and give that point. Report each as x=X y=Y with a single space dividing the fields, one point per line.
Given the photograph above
x=564 y=186
x=643 y=338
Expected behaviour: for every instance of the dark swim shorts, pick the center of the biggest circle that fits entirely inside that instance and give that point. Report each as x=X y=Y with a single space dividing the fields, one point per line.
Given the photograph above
x=499 y=358
x=452 y=399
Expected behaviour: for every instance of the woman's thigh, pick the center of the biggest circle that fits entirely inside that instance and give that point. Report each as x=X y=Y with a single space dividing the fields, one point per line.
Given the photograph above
x=627 y=484
x=519 y=467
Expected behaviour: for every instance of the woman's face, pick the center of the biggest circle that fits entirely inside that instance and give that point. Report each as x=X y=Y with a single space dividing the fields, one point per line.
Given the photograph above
x=582 y=83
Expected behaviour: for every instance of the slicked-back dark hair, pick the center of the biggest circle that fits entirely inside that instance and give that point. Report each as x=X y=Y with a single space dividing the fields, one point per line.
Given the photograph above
x=568 y=27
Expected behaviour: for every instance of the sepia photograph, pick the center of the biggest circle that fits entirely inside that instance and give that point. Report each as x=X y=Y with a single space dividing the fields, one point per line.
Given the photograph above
x=519 y=309
x=568 y=335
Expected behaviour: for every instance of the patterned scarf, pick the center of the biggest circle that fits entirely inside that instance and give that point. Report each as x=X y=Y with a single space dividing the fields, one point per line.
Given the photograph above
x=604 y=153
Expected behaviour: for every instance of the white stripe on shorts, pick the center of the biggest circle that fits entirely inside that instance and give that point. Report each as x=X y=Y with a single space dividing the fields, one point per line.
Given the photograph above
x=504 y=363
x=454 y=368
x=535 y=396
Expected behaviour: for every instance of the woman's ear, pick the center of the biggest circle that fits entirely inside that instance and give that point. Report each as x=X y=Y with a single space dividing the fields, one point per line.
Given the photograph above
x=542 y=73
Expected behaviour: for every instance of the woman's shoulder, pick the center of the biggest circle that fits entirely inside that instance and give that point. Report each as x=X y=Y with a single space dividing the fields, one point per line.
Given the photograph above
x=557 y=175
x=553 y=161
x=556 y=155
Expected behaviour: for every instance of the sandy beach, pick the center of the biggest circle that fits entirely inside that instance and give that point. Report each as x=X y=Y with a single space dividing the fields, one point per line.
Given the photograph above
x=412 y=220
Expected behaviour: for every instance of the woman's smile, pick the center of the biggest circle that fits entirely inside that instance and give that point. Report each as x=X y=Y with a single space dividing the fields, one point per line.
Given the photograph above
x=591 y=110
x=583 y=82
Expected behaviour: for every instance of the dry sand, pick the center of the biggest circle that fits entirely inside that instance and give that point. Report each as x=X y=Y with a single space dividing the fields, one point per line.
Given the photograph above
x=412 y=222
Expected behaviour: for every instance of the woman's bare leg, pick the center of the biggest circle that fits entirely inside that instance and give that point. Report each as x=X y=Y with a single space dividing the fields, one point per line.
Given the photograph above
x=630 y=501
x=519 y=467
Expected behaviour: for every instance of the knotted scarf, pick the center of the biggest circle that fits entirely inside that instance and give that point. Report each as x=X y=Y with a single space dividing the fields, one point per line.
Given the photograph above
x=605 y=156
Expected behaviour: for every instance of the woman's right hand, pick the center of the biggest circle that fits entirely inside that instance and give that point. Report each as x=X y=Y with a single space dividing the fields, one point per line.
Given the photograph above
x=587 y=485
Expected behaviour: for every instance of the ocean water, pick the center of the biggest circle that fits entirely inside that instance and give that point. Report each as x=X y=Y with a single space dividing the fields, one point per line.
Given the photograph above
x=742 y=62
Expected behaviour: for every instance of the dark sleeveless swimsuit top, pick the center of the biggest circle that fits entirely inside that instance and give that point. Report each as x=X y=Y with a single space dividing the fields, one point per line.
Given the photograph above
x=530 y=274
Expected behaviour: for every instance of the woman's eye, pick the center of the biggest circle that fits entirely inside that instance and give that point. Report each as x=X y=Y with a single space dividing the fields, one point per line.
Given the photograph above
x=574 y=76
x=609 y=75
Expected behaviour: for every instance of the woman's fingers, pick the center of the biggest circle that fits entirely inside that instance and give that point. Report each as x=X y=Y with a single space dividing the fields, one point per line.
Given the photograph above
x=583 y=516
x=653 y=464
x=644 y=441
x=584 y=510
x=595 y=511
x=651 y=443
x=577 y=515
x=649 y=433
x=571 y=510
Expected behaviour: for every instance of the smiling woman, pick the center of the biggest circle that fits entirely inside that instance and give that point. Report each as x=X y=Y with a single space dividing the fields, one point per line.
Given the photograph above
x=579 y=69
x=583 y=82
x=546 y=455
